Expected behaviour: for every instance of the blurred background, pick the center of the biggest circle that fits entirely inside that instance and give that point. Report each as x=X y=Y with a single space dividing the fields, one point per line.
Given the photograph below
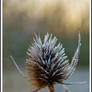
x=63 y=18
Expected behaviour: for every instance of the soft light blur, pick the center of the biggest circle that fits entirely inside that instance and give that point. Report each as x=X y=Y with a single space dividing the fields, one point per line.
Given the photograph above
x=61 y=15
x=63 y=18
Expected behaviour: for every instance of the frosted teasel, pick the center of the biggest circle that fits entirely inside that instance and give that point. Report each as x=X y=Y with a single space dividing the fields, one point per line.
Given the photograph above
x=47 y=64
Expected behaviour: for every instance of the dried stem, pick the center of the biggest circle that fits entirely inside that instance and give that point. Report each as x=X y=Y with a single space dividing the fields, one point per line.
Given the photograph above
x=51 y=88
x=66 y=90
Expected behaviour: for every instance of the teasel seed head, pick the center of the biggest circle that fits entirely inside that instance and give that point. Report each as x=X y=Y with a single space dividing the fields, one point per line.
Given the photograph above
x=47 y=63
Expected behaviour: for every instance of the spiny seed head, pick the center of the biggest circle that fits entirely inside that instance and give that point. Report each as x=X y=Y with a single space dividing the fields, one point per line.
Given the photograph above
x=47 y=63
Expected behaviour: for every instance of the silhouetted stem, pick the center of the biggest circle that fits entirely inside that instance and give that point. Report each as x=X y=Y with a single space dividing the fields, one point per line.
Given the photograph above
x=51 y=88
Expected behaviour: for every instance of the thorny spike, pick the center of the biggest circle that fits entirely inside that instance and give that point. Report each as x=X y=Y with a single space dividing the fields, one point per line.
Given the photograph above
x=21 y=72
x=46 y=38
x=73 y=83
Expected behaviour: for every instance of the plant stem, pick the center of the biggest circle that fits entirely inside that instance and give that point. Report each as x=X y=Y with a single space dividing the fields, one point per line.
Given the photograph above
x=51 y=88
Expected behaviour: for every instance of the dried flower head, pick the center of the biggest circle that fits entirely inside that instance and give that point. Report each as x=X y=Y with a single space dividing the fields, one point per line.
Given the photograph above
x=47 y=63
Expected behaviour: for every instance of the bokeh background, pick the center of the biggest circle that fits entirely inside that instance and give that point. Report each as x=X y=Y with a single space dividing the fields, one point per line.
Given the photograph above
x=63 y=18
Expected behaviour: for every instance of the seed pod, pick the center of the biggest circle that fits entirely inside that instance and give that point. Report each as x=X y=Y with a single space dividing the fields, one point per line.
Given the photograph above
x=47 y=63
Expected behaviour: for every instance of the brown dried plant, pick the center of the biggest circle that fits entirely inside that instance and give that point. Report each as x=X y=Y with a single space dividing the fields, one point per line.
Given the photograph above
x=47 y=64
